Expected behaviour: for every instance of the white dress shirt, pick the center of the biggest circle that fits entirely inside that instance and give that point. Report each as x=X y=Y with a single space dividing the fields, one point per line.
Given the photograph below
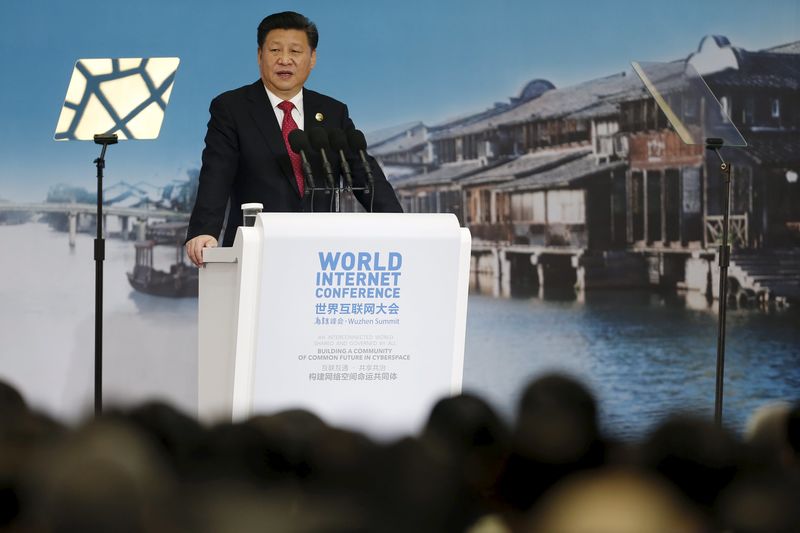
x=297 y=112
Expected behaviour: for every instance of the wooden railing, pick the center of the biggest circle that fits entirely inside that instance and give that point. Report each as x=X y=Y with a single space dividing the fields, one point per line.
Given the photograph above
x=738 y=231
x=500 y=232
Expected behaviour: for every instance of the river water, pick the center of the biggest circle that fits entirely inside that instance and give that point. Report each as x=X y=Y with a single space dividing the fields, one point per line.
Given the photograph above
x=643 y=355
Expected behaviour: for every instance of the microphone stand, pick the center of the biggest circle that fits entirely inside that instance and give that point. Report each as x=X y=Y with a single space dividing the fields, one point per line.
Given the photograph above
x=336 y=195
x=345 y=176
x=99 y=257
x=310 y=187
x=326 y=165
x=370 y=178
x=358 y=143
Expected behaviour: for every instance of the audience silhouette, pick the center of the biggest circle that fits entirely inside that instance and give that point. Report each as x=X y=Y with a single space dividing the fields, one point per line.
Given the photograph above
x=153 y=468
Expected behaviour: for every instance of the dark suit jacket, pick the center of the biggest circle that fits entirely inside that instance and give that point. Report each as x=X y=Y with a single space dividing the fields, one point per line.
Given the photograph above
x=245 y=160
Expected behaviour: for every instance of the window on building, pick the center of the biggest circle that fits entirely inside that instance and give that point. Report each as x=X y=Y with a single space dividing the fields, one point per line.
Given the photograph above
x=516 y=208
x=749 y=108
x=724 y=102
x=776 y=108
x=675 y=101
x=689 y=107
x=485 y=207
x=539 y=215
x=637 y=205
x=565 y=207
x=528 y=208
x=742 y=190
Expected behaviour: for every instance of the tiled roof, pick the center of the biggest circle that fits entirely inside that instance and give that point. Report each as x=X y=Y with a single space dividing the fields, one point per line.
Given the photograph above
x=532 y=90
x=777 y=67
x=375 y=138
x=760 y=70
x=562 y=175
x=444 y=174
x=525 y=165
x=556 y=103
x=398 y=173
x=773 y=148
x=470 y=118
x=606 y=108
x=401 y=142
x=788 y=48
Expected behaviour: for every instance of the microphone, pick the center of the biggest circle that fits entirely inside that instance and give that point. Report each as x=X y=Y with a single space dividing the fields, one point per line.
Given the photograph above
x=298 y=141
x=320 y=142
x=339 y=143
x=359 y=144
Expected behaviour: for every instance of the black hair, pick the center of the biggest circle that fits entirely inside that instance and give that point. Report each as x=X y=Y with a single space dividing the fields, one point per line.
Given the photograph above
x=793 y=429
x=288 y=20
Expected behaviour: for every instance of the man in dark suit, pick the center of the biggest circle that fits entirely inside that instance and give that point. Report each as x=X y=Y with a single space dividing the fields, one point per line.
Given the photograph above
x=247 y=158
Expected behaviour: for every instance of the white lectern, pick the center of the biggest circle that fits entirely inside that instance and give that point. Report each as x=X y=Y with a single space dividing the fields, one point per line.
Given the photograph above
x=358 y=317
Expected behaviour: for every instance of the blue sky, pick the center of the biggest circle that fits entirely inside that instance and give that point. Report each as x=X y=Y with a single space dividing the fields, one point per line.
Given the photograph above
x=392 y=62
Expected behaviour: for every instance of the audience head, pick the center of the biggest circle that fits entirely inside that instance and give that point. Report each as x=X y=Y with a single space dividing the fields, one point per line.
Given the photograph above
x=699 y=457
x=419 y=489
x=464 y=423
x=173 y=433
x=760 y=502
x=11 y=401
x=556 y=434
x=767 y=434
x=556 y=421
x=613 y=501
x=24 y=437
x=793 y=432
x=103 y=477
x=468 y=431
x=153 y=468
x=288 y=438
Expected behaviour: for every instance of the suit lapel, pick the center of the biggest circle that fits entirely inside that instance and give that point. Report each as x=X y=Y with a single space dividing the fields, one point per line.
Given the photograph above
x=264 y=117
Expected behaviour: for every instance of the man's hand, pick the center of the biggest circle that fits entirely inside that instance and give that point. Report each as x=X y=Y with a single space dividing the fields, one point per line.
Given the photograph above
x=194 y=248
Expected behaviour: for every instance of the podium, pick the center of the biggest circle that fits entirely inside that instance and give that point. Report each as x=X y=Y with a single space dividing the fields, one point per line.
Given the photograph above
x=357 y=317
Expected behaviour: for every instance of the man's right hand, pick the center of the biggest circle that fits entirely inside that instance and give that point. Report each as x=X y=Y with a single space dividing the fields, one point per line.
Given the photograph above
x=194 y=248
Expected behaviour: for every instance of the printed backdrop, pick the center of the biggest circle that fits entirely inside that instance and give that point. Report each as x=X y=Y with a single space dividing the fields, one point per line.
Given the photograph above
x=396 y=64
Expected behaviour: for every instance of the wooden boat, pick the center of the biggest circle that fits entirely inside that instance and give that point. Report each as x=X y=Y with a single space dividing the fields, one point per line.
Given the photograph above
x=180 y=282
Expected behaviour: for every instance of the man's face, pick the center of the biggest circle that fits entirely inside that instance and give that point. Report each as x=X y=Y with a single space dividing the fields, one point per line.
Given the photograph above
x=285 y=61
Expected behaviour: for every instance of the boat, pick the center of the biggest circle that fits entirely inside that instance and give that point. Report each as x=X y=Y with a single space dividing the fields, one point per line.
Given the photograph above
x=180 y=282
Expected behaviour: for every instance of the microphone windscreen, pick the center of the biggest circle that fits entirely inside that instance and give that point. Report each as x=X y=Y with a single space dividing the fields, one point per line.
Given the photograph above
x=319 y=139
x=298 y=140
x=357 y=140
x=338 y=139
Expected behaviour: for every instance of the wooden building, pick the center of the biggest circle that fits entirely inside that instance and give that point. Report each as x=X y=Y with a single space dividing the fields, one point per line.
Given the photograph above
x=591 y=179
x=487 y=211
x=437 y=190
x=475 y=136
x=570 y=205
x=404 y=146
x=675 y=194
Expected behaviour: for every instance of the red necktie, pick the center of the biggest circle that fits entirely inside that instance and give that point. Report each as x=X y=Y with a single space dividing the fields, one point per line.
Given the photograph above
x=288 y=126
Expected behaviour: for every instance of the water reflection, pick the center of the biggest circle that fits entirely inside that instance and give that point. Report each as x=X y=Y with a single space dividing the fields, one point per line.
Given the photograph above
x=485 y=283
x=645 y=353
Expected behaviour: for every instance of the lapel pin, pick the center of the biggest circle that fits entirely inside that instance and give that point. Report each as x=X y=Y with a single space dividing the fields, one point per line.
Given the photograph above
x=320 y=117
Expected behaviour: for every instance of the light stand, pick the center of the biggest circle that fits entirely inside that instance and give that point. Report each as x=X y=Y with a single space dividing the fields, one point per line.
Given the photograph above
x=724 y=260
x=698 y=118
x=99 y=257
x=115 y=111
